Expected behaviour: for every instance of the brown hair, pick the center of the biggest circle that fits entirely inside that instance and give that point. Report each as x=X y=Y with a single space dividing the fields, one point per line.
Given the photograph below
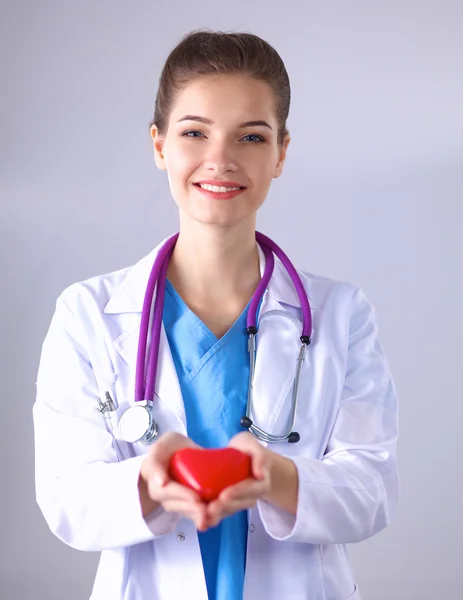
x=206 y=53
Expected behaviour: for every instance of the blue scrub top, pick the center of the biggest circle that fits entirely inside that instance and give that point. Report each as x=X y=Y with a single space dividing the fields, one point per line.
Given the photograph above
x=213 y=375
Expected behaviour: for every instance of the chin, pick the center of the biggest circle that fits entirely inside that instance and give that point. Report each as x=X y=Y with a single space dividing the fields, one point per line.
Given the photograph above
x=218 y=220
x=218 y=215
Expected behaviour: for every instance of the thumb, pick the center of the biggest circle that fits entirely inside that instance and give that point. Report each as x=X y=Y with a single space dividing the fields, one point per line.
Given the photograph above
x=162 y=455
x=154 y=469
x=260 y=467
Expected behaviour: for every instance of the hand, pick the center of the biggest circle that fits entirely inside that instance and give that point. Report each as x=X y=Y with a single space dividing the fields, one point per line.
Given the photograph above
x=244 y=494
x=157 y=488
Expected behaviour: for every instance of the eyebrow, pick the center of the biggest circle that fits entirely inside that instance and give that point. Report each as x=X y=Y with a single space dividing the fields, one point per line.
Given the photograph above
x=209 y=122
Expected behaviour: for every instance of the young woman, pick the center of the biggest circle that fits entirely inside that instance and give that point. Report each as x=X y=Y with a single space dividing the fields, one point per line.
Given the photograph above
x=171 y=369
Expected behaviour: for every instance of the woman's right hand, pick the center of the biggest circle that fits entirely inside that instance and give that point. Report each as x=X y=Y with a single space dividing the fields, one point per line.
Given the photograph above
x=156 y=487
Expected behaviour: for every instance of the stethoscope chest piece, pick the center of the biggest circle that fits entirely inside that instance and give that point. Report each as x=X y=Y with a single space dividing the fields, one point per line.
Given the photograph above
x=137 y=424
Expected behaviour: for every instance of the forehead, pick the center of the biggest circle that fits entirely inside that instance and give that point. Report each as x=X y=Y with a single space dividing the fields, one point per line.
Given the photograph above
x=230 y=97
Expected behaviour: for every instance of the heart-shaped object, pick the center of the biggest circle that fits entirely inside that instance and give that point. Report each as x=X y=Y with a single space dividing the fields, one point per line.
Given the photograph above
x=209 y=471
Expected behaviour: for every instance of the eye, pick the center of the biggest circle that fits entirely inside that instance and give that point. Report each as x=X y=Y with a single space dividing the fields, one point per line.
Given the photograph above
x=193 y=133
x=253 y=138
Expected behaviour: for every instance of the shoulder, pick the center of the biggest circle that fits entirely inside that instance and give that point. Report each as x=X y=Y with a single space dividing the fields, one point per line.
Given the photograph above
x=340 y=303
x=99 y=287
x=333 y=298
x=95 y=290
x=124 y=286
x=323 y=289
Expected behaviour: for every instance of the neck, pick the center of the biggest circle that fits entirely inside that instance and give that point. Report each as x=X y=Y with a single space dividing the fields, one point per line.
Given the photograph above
x=210 y=263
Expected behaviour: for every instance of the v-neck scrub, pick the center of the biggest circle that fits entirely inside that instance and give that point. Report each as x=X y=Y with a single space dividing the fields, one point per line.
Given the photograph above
x=213 y=375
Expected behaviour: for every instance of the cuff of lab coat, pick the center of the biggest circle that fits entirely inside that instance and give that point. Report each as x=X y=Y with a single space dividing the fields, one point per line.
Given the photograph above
x=161 y=522
x=157 y=523
x=280 y=524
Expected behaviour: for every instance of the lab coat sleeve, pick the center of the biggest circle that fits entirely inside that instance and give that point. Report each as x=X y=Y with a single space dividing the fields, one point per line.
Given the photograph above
x=88 y=497
x=352 y=493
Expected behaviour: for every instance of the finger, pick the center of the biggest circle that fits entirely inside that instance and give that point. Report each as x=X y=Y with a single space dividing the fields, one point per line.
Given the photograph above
x=195 y=512
x=224 y=508
x=260 y=458
x=249 y=488
x=173 y=491
x=172 y=441
x=187 y=509
x=181 y=506
x=161 y=453
x=201 y=521
x=260 y=463
x=220 y=511
x=260 y=466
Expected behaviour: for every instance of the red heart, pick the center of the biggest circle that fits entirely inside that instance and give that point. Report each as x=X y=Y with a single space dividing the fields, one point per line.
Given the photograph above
x=208 y=472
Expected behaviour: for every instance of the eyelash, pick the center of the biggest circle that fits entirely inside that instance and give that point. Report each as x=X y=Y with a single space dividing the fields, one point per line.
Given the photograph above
x=259 y=140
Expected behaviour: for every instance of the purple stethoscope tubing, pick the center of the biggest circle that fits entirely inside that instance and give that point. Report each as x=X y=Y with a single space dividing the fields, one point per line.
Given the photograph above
x=157 y=281
x=305 y=306
x=159 y=268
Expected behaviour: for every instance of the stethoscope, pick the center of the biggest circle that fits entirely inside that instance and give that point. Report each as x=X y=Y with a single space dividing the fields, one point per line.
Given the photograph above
x=137 y=423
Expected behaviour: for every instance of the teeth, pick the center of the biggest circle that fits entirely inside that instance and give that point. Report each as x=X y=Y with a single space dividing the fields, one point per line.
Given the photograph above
x=216 y=188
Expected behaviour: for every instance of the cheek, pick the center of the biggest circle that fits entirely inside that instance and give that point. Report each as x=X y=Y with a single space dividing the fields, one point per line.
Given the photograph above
x=265 y=173
x=181 y=161
x=265 y=165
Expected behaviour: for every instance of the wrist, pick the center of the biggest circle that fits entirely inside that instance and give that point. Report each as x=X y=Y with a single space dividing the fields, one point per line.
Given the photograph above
x=284 y=484
x=147 y=504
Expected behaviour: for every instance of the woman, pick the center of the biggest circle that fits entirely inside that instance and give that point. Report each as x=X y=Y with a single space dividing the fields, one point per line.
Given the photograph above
x=219 y=130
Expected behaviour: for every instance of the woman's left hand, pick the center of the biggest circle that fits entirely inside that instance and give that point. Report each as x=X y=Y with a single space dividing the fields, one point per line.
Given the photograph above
x=244 y=494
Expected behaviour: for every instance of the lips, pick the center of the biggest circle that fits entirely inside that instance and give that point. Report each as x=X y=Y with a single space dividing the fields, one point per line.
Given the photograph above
x=220 y=183
x=213 y=195
x=228 y=185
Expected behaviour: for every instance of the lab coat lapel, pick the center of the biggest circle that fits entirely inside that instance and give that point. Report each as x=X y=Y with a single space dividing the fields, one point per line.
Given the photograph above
x=278 y=346
x=168 y=392
x=127 y=303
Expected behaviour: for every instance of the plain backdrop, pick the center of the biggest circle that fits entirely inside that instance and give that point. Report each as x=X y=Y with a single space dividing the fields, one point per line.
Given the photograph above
x=371 y=193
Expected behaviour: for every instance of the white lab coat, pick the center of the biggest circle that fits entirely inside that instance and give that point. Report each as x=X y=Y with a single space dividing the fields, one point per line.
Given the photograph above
x=86 y=478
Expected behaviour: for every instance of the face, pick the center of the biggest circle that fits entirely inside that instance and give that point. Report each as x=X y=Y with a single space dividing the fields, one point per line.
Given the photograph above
x=221 y=148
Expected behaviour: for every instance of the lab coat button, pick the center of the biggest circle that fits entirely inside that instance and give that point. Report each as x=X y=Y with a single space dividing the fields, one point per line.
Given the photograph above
x=252 y=528
x=181 y=536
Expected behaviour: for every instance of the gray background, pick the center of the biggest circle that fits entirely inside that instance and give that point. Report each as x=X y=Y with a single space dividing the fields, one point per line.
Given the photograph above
x=372 y=193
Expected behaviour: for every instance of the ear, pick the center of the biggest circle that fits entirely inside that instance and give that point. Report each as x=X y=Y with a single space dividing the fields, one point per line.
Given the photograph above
x=158 y=143
x=282 y=156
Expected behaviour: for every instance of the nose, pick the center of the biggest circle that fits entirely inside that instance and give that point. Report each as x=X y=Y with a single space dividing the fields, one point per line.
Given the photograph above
x=220 y=158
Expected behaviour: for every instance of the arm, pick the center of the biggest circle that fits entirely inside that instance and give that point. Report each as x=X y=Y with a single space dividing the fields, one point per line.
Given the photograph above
x=352 y=493
x=90 y=500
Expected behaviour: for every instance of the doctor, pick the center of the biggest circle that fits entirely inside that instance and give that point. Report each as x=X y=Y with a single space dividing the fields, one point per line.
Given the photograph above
x=219 y=130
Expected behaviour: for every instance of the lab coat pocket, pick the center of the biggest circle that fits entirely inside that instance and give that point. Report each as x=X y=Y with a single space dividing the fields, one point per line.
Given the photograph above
x=337 y=573
x=111 y=410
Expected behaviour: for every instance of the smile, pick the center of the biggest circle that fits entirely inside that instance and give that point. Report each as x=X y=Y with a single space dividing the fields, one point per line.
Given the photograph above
x=217 y=189
x=219 y=192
